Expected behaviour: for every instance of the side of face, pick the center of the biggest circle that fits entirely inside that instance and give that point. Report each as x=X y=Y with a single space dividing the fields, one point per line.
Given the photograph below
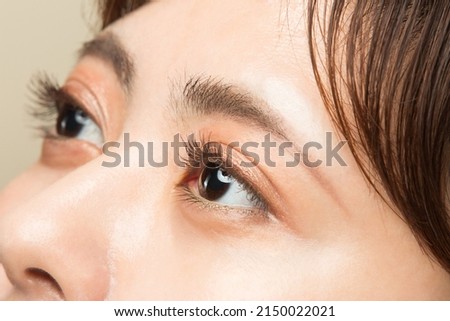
x=73 y=228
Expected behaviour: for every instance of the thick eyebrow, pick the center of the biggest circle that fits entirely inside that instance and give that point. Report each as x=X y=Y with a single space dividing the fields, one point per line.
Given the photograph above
x=108 y=47
x=208 y=96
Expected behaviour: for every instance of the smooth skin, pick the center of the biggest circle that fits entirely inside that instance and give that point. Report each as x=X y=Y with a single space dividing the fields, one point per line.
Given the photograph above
x=127 y=233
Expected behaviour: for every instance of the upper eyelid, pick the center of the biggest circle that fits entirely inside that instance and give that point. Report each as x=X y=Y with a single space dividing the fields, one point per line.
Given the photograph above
x=64 y=97
x=85 y=98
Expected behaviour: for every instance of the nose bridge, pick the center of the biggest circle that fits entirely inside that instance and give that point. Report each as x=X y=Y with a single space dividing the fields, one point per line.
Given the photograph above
x=55 y=244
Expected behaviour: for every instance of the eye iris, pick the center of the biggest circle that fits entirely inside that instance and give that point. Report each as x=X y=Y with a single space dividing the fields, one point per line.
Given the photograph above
x=214 y=183
x=71 y=121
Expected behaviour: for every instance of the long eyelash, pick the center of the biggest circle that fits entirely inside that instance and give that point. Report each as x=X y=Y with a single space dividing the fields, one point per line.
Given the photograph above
x=48 y=99
x=45 y=93
x=199 y=149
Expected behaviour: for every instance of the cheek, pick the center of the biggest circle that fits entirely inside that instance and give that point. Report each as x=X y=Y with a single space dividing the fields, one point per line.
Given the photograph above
x=383 y=261
x=277 y=266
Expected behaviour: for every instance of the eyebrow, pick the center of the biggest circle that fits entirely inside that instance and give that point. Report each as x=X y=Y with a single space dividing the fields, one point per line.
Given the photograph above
x=208 y=96
x=108 y=47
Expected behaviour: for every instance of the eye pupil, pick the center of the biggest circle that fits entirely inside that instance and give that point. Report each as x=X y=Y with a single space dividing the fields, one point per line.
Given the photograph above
x=214 y=183
x=71 y=121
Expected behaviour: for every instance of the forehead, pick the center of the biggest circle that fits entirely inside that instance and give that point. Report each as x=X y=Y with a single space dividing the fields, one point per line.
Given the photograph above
x=216 y=35
x=258 y=45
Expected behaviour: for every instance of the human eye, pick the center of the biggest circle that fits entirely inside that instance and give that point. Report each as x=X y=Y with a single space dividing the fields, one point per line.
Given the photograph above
x=61 y=115
x=214 y=182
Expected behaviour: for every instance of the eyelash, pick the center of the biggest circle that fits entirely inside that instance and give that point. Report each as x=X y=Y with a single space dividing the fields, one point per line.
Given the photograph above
x=48 y=99
x=201 y=148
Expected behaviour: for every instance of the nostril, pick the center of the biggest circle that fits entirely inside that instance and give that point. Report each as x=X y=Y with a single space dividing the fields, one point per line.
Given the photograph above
x=46 y=282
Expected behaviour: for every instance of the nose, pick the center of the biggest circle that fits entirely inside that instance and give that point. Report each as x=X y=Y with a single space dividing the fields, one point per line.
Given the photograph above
x=53 y=246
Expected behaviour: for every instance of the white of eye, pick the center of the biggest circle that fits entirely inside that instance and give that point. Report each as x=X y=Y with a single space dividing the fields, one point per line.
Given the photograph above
x=90 y=132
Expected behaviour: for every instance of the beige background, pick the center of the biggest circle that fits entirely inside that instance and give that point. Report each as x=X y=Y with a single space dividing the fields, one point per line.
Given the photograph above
x=35 y=36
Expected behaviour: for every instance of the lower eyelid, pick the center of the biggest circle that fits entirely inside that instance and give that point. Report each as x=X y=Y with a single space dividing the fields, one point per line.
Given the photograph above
x=67 y=153
x=186 y=194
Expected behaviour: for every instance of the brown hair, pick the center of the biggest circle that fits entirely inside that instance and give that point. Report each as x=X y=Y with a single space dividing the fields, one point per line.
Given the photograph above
x=112 y=10
x=385 y=79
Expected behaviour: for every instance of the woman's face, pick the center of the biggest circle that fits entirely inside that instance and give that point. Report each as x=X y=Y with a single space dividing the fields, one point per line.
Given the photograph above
x=81 y=224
